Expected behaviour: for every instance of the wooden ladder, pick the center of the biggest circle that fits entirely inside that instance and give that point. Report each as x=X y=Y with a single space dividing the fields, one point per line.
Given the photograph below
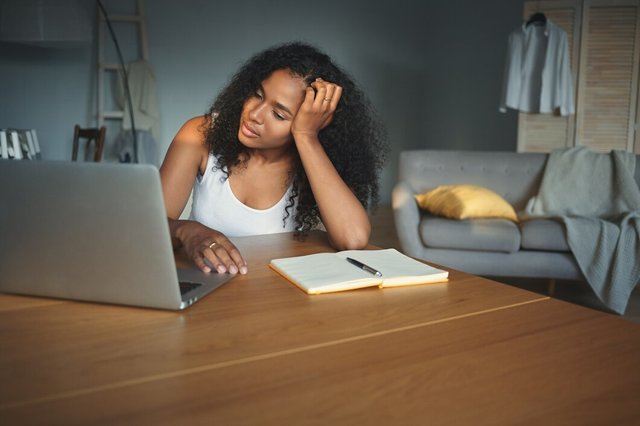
x=105 y=67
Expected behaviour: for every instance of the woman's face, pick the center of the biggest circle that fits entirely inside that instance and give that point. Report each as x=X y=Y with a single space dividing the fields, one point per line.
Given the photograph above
x=267 y=114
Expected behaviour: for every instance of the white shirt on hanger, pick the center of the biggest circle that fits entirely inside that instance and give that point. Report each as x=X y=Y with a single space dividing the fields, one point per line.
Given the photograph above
x=537 y=72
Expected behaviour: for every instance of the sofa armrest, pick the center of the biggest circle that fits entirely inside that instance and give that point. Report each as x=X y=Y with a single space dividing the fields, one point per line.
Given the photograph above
x=407 y=218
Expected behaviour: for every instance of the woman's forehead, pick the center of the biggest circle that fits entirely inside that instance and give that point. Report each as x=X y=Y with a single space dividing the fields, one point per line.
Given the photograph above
x=283 y=86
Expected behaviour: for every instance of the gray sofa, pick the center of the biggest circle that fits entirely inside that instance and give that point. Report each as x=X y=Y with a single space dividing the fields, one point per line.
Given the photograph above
x=494 y=247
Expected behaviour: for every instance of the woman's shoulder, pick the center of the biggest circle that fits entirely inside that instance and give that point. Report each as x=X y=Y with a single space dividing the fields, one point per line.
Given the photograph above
x=194 y=130
x=189 y=146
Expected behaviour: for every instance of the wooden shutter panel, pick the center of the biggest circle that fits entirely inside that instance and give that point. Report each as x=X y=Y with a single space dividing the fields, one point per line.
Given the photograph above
x=607 y=91
x=546 y=132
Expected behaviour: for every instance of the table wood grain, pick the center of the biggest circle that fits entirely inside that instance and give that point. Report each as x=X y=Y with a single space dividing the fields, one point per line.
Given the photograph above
x=259 y=350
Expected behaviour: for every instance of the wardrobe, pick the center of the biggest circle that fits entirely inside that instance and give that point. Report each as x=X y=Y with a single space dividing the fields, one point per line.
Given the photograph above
x=604 y=50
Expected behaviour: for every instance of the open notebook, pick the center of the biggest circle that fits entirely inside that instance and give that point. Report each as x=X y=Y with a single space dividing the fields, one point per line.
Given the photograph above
x=331 y=272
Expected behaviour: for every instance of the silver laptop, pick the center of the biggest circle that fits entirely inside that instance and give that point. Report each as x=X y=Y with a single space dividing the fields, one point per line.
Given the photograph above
x=94 y=232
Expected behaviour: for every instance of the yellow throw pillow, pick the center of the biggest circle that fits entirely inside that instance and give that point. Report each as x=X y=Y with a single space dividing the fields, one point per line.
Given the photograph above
x=466 y=202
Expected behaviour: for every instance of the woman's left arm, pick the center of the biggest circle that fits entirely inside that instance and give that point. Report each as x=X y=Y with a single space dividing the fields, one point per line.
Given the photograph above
x=343 y=215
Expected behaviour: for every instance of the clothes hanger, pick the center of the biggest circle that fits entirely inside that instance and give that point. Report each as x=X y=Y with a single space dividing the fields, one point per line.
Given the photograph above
x=537 y=18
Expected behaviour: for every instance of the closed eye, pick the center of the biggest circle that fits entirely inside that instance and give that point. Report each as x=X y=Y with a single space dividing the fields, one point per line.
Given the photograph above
x=259 y=94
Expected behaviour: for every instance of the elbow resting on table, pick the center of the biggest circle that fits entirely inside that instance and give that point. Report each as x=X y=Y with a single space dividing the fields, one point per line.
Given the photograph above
x=354 y=240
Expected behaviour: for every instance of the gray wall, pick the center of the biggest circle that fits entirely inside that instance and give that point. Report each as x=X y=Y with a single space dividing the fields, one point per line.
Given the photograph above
x=432 y=68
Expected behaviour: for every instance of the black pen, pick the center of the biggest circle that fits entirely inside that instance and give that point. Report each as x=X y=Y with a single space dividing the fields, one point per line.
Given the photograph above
x=364 y=267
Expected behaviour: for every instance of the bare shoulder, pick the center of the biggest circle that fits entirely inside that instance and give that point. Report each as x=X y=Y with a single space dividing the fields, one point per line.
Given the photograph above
x=193 y=132
x=188 y=150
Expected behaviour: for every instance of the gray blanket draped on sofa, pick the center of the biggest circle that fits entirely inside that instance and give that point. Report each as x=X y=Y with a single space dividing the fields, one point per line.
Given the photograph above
x=597 y=199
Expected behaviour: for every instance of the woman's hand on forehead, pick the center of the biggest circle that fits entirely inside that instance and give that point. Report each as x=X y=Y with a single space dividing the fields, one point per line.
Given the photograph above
x=317 y=109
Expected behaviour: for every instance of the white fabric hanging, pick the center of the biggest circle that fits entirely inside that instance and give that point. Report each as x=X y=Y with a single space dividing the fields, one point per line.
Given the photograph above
x=146 y=110
x=537 y=75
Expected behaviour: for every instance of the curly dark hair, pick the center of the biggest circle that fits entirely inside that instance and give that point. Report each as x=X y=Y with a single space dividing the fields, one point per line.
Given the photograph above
x=355 y=141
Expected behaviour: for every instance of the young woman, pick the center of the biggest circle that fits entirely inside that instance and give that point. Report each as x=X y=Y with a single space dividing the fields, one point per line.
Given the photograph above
x=290 y=144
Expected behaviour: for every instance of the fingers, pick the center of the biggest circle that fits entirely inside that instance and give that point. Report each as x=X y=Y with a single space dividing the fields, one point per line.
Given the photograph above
x=316 y=111
x=209 y=248
x=223 y=256
x=335 y=97
x=323 y=97
x=327 y=95
x=198 y=260
x=309 y=97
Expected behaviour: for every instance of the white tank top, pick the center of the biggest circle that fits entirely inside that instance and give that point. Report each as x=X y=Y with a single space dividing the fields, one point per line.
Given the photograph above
x=216 y=206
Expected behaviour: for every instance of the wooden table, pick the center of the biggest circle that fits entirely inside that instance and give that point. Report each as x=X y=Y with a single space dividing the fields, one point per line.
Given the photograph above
x=260 y=351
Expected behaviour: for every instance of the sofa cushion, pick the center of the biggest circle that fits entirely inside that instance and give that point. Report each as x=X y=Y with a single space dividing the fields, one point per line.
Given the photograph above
x=499 y=235
x=465 y=202
x=543 y=234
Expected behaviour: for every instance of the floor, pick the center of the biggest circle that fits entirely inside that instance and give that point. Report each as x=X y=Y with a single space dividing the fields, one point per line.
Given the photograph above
x=383 y=234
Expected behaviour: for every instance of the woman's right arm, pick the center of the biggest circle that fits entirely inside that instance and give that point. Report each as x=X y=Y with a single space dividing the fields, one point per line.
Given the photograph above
x=186 y=158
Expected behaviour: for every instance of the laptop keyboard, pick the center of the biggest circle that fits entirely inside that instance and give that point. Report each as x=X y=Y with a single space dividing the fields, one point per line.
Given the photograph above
x=187 y=286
